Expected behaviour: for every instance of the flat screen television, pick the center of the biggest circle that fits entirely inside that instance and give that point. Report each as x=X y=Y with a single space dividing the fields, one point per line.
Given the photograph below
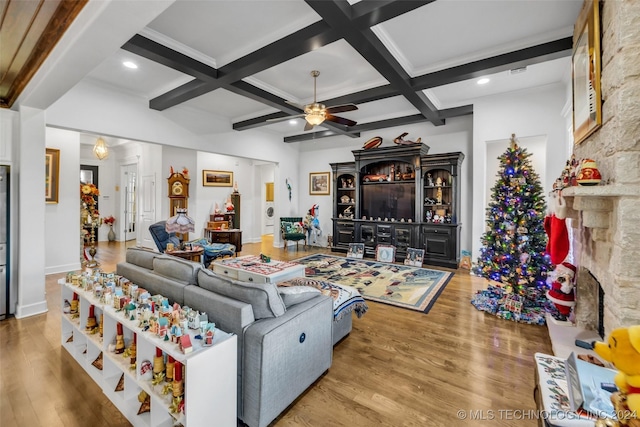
x=393 y=200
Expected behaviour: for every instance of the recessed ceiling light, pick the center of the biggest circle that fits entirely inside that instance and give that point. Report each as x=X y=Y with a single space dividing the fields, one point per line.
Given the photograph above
x=483 y=81
x=293 y=122
x=129 y=64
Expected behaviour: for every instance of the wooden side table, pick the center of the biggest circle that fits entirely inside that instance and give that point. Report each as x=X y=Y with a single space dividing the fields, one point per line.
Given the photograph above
x=191 y=255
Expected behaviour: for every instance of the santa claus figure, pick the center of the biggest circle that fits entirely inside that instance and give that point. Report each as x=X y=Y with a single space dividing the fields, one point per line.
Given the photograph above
x=561 y=293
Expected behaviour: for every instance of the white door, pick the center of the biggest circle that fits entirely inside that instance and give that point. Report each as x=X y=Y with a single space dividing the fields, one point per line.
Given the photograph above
x=147 y=205
x=129 y=183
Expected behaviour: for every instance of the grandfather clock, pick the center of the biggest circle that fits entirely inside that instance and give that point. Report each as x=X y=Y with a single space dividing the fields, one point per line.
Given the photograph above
x=235 y=199
x=178 y=197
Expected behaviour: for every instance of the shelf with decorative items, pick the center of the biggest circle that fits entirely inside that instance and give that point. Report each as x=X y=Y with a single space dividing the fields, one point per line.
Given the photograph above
x=344 y=206
x=440 y=232
x=148 y=367
x=404 y=197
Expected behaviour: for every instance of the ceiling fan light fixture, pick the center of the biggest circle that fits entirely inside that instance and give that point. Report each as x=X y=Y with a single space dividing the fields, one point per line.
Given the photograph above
x=101 y=150
x=315 y=113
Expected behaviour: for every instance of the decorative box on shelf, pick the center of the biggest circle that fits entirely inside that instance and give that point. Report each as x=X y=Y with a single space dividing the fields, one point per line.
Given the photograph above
x=208 y=369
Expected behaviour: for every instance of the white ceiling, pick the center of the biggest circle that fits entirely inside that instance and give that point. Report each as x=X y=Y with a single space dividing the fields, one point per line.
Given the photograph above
x=436 y=36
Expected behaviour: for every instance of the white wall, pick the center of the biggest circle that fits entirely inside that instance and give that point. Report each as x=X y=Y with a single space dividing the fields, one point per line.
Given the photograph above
x=534 y=112
x=62 y=219
x=92 y=108
x=31 y=212
x=243 y=174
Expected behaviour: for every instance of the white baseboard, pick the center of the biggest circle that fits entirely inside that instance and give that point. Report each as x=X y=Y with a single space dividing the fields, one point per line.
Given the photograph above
x=31 y=309
x=62 y=268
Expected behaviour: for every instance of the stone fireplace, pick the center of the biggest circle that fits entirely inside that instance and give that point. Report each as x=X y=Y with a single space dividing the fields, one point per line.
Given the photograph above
x=606 y=218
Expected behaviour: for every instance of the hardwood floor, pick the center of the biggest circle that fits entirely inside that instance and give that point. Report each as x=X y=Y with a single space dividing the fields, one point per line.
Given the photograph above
x=396 y=368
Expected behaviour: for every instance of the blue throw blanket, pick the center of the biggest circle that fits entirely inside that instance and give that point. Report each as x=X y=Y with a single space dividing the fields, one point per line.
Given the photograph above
x=345 y=298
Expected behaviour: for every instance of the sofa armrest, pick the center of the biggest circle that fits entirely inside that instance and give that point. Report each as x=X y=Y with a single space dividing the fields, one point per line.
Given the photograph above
x=283 y=356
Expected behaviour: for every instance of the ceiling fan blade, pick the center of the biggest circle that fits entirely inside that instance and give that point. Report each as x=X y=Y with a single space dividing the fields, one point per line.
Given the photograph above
x=279 y=119
x=340 y=120
x=341 y=108
x=308 y=126
x=301 y=107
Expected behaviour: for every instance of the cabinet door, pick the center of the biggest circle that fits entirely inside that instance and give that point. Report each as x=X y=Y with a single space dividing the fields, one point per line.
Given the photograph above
x=344 y=234
x=402 y=238
x=437 y=242
x=368 y=235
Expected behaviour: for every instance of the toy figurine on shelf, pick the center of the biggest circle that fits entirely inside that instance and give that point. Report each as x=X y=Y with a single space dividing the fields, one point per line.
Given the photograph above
x=168 y=375
x=131 y=353
x=207 y=333
x=119 y=339
x=74 y=306
x=92 y=325
x=158 y=366
x=429 y=180
x=177 y=389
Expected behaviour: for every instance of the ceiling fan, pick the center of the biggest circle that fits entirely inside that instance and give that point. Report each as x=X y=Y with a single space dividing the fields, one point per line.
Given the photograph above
x=316 y=113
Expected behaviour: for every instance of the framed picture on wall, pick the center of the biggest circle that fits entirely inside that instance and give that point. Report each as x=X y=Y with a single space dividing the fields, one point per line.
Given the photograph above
x=51 y=175
x=585 y=76
x=319 y=183
x=217 y=178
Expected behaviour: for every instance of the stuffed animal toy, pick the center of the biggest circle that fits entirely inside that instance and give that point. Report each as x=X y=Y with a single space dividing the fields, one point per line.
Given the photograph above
x=561 y=293
x=623 y=351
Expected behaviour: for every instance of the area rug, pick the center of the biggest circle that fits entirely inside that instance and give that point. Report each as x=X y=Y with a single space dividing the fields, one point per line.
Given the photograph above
x=400 y=285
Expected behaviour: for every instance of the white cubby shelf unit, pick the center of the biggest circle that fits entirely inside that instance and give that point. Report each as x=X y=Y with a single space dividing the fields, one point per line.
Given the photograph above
x=210 y=382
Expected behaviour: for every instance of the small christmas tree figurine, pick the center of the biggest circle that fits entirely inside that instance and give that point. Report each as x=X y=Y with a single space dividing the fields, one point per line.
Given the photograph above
x=513 y=251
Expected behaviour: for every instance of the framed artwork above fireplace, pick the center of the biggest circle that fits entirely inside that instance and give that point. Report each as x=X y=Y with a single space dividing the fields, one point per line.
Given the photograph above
x=585 y=72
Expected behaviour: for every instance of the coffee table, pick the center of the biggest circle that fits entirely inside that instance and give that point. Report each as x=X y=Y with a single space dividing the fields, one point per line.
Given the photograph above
x=251 y=269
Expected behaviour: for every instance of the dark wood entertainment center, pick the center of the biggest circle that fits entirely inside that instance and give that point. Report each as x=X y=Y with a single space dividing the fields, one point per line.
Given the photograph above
x=400 y=196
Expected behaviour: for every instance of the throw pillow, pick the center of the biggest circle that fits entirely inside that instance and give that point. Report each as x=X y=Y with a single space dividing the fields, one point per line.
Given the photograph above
x=292 y=295
x=286 y=227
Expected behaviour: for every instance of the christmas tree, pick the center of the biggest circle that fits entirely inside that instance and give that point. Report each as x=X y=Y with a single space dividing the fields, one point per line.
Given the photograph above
x=513 y=251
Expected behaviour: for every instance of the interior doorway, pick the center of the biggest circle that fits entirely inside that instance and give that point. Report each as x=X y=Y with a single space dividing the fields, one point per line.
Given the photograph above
x=128 y=202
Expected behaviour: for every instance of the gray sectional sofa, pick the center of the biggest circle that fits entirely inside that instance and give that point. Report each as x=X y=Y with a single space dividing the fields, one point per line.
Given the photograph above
x=282 y=348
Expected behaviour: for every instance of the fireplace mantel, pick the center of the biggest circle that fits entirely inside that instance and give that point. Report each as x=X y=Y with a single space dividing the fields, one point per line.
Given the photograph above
x=596 y=202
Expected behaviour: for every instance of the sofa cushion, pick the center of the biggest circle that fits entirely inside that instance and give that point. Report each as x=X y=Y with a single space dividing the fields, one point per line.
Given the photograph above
x=263 y=297
x=141 y=257
x=292 y=295
x=176 y=268
x=154 y=283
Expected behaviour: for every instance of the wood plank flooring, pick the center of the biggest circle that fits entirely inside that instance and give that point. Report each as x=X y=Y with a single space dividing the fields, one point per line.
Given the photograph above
x=396 y=368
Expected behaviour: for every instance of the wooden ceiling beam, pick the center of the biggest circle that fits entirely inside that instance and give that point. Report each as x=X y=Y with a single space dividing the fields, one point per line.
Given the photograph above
x=519 y=58
x=366 y=14
x=375 y=52
x=168 y=57
x=289 y=47
x=382 y=124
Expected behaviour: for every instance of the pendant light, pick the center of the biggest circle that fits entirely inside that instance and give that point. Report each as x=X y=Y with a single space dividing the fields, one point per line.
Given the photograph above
x=100 y=149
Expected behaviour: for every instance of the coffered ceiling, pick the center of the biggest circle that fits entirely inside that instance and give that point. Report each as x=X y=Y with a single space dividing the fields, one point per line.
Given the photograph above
x=400 y=62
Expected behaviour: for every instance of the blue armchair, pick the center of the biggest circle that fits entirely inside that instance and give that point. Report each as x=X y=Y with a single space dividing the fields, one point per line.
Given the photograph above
x=161 y=237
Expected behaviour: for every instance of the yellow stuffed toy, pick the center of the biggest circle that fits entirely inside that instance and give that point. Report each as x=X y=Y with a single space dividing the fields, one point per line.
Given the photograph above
x=623 y=351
